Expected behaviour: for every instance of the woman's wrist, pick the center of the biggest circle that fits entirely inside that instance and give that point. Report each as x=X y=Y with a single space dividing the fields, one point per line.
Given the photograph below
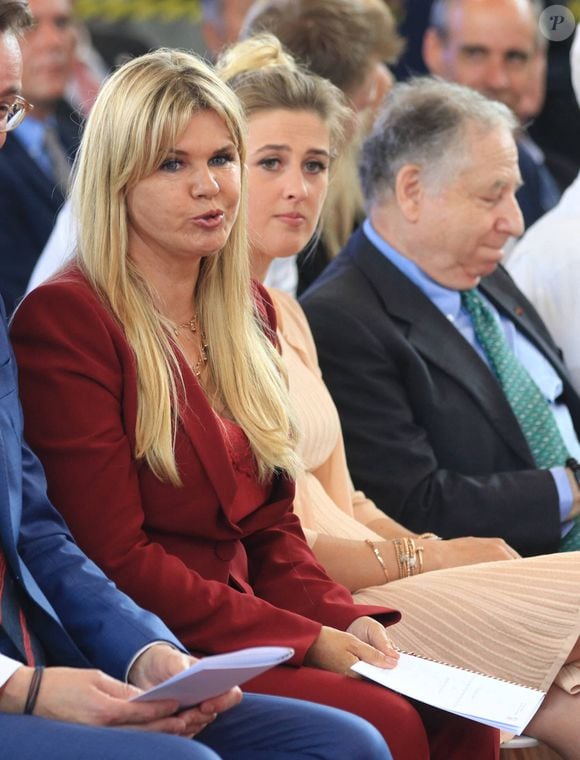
x=433 y=555
x=389 y=555
x=377 y=554
x=409 y=556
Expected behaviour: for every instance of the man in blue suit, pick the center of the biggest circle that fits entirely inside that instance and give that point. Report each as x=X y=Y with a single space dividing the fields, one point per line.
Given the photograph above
x=58 y=609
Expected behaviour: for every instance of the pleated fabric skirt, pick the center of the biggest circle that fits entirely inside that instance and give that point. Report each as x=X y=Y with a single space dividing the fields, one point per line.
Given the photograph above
x=516 y=620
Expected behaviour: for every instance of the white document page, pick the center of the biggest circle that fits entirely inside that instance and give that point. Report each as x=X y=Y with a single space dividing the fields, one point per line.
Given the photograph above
x=216 y=674
x=485 y=699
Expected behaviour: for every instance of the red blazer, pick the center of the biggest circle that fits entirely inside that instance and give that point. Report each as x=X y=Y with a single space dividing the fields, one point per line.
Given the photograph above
x=217 y=584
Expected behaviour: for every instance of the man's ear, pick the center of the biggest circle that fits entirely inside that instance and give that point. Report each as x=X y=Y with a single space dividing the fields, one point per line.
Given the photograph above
x=409 y=191
x=434 y=51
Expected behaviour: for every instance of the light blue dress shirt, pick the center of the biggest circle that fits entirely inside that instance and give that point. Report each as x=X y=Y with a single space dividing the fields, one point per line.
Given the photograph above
x=30 y=134
x=547 y=379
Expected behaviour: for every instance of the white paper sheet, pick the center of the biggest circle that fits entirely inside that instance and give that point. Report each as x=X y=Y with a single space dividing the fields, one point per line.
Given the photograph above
x=504 y=705
x=216 y=674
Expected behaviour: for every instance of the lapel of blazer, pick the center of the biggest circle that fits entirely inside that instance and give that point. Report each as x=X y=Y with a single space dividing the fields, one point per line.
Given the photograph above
x=9 y=513
x=10 y=519
x=202 y=426
x=10 y=510
x=11 y=505
x=25 y=167
x=70 y=125
x=503 y=293
x=439 y=342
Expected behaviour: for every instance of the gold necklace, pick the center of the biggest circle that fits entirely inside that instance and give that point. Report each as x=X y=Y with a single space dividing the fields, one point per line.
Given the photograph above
x=198 y=366
x=192 y=325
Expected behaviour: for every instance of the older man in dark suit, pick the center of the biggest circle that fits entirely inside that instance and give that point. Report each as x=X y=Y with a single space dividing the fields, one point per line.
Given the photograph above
x=458 y=413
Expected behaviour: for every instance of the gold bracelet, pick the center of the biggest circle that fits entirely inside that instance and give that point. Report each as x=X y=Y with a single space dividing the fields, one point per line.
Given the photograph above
x=380 y=560
x=432 y=536
x=419 y=550
x=411 y=557
x=398 y=544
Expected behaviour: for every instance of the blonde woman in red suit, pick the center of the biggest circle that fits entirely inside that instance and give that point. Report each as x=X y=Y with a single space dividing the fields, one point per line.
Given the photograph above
x=156 y=400
x=475 y=616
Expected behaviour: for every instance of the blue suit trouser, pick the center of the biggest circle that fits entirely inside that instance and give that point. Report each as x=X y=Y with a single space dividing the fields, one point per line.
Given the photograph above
x=271 y=728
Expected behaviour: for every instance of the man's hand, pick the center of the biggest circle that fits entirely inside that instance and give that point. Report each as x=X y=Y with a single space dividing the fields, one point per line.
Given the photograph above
x=158 y=663
x=575 y=509
x=365 y=639
x=76 y=695
x=162 y=661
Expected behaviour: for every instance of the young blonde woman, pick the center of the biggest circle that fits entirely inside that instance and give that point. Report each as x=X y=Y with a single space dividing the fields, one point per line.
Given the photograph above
x=521 y=618
x=156 y=400
x=317 y=33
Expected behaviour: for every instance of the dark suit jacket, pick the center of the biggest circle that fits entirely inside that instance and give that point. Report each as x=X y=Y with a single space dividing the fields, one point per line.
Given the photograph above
x=29 y=204
x=429 y=433
x=219 y=584
x=539 y=191
x=79 y=616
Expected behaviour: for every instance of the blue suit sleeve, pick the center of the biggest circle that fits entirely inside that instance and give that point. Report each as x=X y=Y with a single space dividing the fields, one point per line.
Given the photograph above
x=77 y=609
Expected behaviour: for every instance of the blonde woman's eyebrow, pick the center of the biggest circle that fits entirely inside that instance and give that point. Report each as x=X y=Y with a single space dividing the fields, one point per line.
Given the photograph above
x=178 y=152
x=287 y=149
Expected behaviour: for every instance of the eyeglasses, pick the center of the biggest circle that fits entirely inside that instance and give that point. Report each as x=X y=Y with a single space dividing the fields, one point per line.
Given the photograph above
x=12 y=112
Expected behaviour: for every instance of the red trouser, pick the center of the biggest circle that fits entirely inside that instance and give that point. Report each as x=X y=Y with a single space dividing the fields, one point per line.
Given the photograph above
x=413 y=731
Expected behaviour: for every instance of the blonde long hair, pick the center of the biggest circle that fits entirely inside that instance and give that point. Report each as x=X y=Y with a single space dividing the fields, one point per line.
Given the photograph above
x=133 y=126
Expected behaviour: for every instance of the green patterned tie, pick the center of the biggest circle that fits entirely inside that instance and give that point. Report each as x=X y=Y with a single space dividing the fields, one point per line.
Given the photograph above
x=528 y=403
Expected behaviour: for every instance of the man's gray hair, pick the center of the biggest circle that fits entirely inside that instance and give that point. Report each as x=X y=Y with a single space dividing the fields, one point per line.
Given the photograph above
x=15 y=16
x=439 y=18
x=425 y=122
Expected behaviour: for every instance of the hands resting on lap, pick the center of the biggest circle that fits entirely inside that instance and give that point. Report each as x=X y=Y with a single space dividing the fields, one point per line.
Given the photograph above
x=365 y=639
x=91 y=697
